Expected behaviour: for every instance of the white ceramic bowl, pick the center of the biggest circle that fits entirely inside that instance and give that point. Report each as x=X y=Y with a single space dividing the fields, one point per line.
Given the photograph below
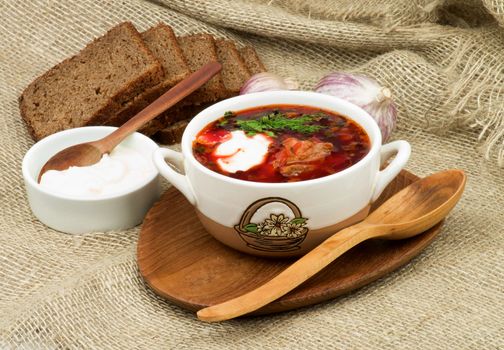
x=228 y=207
x=82 y=215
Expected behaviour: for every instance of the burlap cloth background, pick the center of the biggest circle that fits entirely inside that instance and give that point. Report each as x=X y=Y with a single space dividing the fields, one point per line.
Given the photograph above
x=444 y=61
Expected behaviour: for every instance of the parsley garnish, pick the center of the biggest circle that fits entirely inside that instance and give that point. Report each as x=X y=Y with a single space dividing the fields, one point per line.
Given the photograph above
x=275 y=121
x=223 y=121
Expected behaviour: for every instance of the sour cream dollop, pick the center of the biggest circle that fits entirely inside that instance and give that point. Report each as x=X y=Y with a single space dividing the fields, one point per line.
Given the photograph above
x=241 y=152
x=124 y=168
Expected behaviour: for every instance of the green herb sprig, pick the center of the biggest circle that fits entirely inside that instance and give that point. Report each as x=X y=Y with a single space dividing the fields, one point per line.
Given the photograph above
x=224 y=120
x=277 y=121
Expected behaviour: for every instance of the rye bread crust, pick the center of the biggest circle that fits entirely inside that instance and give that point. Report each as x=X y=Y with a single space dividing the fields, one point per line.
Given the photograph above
x=234 y=70
x=161 y=40
x=252 y=60
x=200 y=49
x=83 y=90
x=172 y=134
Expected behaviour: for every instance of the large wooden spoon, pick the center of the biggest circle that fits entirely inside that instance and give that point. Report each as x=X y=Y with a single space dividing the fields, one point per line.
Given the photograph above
x=89 y=153
x=409 y=212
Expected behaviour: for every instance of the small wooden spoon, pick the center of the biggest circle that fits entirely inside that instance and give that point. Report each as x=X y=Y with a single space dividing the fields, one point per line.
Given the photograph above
x=91 y=152
x=409 y=212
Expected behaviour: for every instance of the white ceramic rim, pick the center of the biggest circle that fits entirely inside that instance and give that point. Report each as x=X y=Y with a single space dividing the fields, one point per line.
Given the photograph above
x=65 y=133
x=187 y=142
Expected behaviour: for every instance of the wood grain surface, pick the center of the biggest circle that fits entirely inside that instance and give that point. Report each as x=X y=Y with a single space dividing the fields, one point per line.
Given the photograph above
x=181 y=262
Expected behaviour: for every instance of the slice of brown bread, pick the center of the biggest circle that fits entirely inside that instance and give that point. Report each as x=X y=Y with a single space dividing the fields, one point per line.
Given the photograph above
x=171 y=116
x=176 y=127
x=199 y=49
x=173 y=133
x=234 y=70
x=234 y=74
x=89 y=87
x=252 y=60
x=161 y=40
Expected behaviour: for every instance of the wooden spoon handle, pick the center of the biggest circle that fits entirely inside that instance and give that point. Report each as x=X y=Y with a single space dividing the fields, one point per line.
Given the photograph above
x=165 y=101
x=291 y=277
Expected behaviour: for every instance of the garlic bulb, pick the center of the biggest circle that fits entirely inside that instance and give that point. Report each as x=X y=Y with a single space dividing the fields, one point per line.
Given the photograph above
x=267 y=81
x=365 y=93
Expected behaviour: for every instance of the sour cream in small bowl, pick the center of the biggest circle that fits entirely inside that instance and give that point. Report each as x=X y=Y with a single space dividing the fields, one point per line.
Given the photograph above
x=113 y=194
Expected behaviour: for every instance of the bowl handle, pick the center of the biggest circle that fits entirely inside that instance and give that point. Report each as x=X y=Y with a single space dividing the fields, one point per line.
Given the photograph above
x=402 y=150
x=178 y=180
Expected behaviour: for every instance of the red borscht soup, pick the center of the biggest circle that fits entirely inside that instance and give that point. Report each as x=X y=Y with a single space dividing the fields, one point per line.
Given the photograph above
x=280 y=143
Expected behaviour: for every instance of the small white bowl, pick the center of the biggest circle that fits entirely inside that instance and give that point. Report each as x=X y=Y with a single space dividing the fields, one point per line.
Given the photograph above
x=83 y=215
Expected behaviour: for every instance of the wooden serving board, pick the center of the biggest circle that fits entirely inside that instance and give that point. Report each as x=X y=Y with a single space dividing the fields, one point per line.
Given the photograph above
x=181 y=262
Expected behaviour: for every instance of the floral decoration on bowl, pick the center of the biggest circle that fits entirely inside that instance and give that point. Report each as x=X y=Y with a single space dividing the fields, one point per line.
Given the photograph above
x=276 y=233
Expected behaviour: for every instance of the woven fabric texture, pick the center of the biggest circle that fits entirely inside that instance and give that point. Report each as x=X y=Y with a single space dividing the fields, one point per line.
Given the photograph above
x=444 y=62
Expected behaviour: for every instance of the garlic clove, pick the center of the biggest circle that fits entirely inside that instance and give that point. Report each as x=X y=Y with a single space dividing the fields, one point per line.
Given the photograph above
x=365 y=93
x=267 y=81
